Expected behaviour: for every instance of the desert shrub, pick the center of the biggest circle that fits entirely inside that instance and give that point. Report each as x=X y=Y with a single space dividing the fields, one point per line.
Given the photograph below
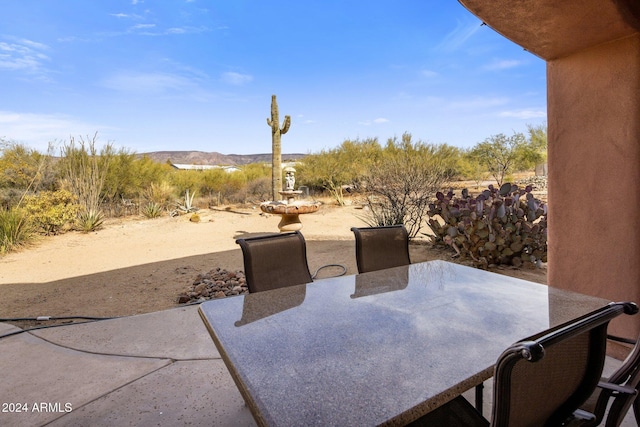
x=90 y=221
x=258 y=190
x=255 y=171
x=15 y=229
x=402 y=183
x=341 y=167
x=85 y=170
x=123 y=178
x=190 y=179
x=26 y=169
x=234 y=188
x=472 y=169
x=50 y=211
x=130 y=178
x=10 y=197
x=213 y=181
x=505 y=226
x=160 y=194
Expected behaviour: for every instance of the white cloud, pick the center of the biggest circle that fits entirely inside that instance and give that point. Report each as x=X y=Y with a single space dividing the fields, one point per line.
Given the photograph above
x=524 y=114
x=379 y=120
x=37 y=130
x=477 y=103
x=503 y=64
x=143 y=26
x=458 y=36
x=119 y=15
x=24 y=55
x=236 y=79
x=428 y=73
x=155 y=83
x=34 y=45
x=305 y=121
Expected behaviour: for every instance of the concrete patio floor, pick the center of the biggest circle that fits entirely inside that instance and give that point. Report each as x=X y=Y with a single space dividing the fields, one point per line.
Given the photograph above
x=159 y=369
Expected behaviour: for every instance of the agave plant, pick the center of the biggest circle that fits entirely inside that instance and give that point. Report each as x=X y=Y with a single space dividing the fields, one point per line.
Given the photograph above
x=15 y=229
x=90 y=220
x=152 y=210
x=186 y=205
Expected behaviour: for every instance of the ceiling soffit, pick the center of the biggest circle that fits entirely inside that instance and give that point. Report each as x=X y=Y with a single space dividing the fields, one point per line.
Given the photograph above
x=552 y=29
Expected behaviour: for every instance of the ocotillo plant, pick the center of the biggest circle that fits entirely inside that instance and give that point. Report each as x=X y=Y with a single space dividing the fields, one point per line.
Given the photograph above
x=276 y=146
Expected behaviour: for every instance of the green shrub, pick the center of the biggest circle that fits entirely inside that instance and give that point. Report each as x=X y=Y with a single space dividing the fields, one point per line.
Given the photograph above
x=51 y=211
x=15 y=229
x=505 y=226
x=160 y=194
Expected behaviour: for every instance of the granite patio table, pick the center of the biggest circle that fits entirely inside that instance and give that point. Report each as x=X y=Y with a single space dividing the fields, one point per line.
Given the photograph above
x=379 y=348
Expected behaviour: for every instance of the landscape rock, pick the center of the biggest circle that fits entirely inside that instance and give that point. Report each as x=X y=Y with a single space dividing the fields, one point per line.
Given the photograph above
x=217 y=283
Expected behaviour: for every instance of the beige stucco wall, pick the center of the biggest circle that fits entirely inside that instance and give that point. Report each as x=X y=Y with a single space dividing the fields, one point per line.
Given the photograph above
x=594 y=173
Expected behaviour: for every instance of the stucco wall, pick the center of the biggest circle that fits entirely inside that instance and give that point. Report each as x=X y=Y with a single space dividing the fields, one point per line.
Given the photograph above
x=594 y=174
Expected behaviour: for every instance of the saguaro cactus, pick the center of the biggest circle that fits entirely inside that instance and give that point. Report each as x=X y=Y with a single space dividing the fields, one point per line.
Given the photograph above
x=276 y=146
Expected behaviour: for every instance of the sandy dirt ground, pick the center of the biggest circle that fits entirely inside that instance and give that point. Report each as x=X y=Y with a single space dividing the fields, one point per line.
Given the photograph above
x=138 y=265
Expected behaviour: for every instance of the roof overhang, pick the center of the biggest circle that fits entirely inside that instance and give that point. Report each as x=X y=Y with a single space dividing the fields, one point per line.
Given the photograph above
x=553 y=29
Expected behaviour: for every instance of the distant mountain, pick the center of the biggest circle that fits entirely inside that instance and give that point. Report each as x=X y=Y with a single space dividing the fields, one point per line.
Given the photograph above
x=214 y=158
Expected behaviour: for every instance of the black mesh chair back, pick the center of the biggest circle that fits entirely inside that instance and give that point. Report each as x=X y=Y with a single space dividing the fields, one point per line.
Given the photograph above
x=275 y=261
x=542 y=382
x=378 y=248
x=621 y=387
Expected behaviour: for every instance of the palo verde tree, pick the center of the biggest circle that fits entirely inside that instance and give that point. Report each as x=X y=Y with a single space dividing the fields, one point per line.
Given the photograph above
x=276 y=146
x=22 y=171
x=501 y=155
x=536 y=152
x=346 y=165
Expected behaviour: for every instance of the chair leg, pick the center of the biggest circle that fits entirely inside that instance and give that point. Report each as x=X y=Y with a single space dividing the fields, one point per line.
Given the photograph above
x=479 y=398
x=636 y=409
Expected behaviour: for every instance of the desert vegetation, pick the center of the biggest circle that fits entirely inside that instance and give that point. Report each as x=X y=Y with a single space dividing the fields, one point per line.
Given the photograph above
x=78 y=184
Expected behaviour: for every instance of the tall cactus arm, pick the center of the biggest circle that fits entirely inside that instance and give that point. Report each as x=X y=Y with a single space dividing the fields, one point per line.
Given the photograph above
x=285 y=126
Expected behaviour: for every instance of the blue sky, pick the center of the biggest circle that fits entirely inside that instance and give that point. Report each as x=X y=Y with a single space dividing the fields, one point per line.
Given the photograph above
x=199 y=75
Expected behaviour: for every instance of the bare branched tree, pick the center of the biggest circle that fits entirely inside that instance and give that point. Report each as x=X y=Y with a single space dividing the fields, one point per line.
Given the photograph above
x=403 y=182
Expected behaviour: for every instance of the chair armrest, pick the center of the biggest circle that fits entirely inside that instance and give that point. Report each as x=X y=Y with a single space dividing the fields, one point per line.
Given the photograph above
x=617 y=388
x=580 y=417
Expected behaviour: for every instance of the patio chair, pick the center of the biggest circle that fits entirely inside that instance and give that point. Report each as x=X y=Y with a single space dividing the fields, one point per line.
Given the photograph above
x=621 y=387
x=275 y=261
x=543 y=380
x=383 y=247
